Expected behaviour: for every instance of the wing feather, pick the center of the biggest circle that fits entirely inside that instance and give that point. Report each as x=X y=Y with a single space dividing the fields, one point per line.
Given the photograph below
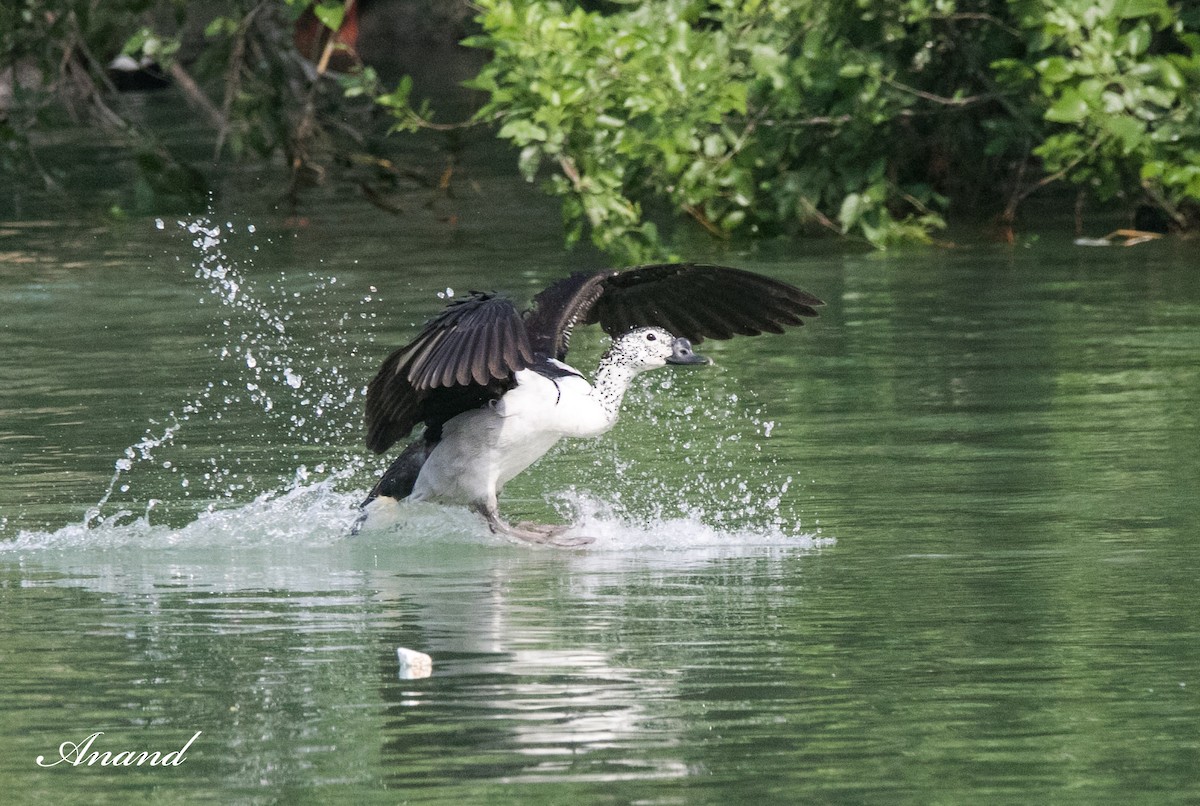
x=475 y=345
x=693 y=300
x=699 y=301
x=559 y=308
x=469 y=352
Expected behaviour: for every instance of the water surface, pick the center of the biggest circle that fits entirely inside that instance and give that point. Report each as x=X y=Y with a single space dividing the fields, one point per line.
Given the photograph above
x=938 y=547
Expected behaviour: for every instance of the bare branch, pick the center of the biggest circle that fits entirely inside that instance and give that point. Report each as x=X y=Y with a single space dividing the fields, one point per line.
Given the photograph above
x=940 y=99
x=195 y=96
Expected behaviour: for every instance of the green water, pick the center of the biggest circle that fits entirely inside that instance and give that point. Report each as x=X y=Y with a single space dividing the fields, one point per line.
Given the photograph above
x=938 y=547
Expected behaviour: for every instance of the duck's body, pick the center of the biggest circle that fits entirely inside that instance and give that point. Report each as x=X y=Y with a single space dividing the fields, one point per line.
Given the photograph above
x=483 y=449
x=494 y=394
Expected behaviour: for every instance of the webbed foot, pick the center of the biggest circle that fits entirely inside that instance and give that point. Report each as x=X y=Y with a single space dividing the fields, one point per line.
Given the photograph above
x=542 y=534
x=548 y=529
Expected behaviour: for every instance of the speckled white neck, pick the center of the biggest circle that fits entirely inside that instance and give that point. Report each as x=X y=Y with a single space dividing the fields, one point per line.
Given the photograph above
x=613 y=377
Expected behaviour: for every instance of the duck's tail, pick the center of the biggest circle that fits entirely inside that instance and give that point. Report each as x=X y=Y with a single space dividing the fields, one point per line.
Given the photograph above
x=398 y=481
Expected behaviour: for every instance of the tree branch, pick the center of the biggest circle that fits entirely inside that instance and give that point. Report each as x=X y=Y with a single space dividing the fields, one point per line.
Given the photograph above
x=195 y=96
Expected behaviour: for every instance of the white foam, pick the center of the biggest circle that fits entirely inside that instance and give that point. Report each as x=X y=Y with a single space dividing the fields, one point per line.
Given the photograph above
x=300 y=387
x=317 y=514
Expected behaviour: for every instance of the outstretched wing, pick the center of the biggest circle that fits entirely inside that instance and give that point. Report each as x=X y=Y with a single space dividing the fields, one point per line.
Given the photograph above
x=560 y=307
x=463 y=356
x=692 y=300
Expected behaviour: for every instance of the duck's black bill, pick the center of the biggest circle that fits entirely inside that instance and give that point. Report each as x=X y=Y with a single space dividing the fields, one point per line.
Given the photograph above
x=682 y=353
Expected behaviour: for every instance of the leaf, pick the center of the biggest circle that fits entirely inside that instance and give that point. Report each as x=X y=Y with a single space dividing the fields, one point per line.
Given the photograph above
x=1072 y=107
x=1153 y=169
x=1056 y=69
x=1138 y=38
x=851 y=210
x=220 y=26
x=330 y=14
x=1130 y=9
x=521 y=131
x=529 y=162
x=768 y=62
x=1170 y=75
x=1128 y=131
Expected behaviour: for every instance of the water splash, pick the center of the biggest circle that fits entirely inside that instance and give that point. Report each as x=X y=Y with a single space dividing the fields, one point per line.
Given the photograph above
x=615 y=528
x=305 y=515
x=266 y=387
x=282 y=378
x=318 y=515
x=732 y=480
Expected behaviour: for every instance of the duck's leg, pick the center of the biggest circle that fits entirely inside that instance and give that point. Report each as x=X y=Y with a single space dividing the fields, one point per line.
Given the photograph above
x=548 y=529
x=540 y=533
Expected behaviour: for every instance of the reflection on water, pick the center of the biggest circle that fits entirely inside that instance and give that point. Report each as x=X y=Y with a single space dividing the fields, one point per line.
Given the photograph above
x=284 y=640
x=939 y=546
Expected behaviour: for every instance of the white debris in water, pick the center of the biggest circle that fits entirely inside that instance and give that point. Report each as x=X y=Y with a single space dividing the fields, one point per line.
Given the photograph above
x=292 y=379
x=447 y=294
x=158 y=224
x=251 y=361
x=414 y=665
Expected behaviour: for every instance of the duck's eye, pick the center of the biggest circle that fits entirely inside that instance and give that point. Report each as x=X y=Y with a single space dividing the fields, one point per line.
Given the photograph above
x=651 y=337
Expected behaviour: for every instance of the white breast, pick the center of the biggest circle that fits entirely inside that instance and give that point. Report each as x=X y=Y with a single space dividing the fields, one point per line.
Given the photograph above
x=484 y=449
x=565 y=406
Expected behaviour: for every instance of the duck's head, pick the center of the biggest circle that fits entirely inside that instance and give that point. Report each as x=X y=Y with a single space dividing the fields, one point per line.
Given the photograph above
x=651 y=347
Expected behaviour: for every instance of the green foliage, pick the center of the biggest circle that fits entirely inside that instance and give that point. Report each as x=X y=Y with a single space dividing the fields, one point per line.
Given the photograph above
x=747 y=116
x=631 y=101
x=864 y=117
x=248 y=53
x=50 y=69
x=252 y=93
x=873 y=119
x=1119 y=83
